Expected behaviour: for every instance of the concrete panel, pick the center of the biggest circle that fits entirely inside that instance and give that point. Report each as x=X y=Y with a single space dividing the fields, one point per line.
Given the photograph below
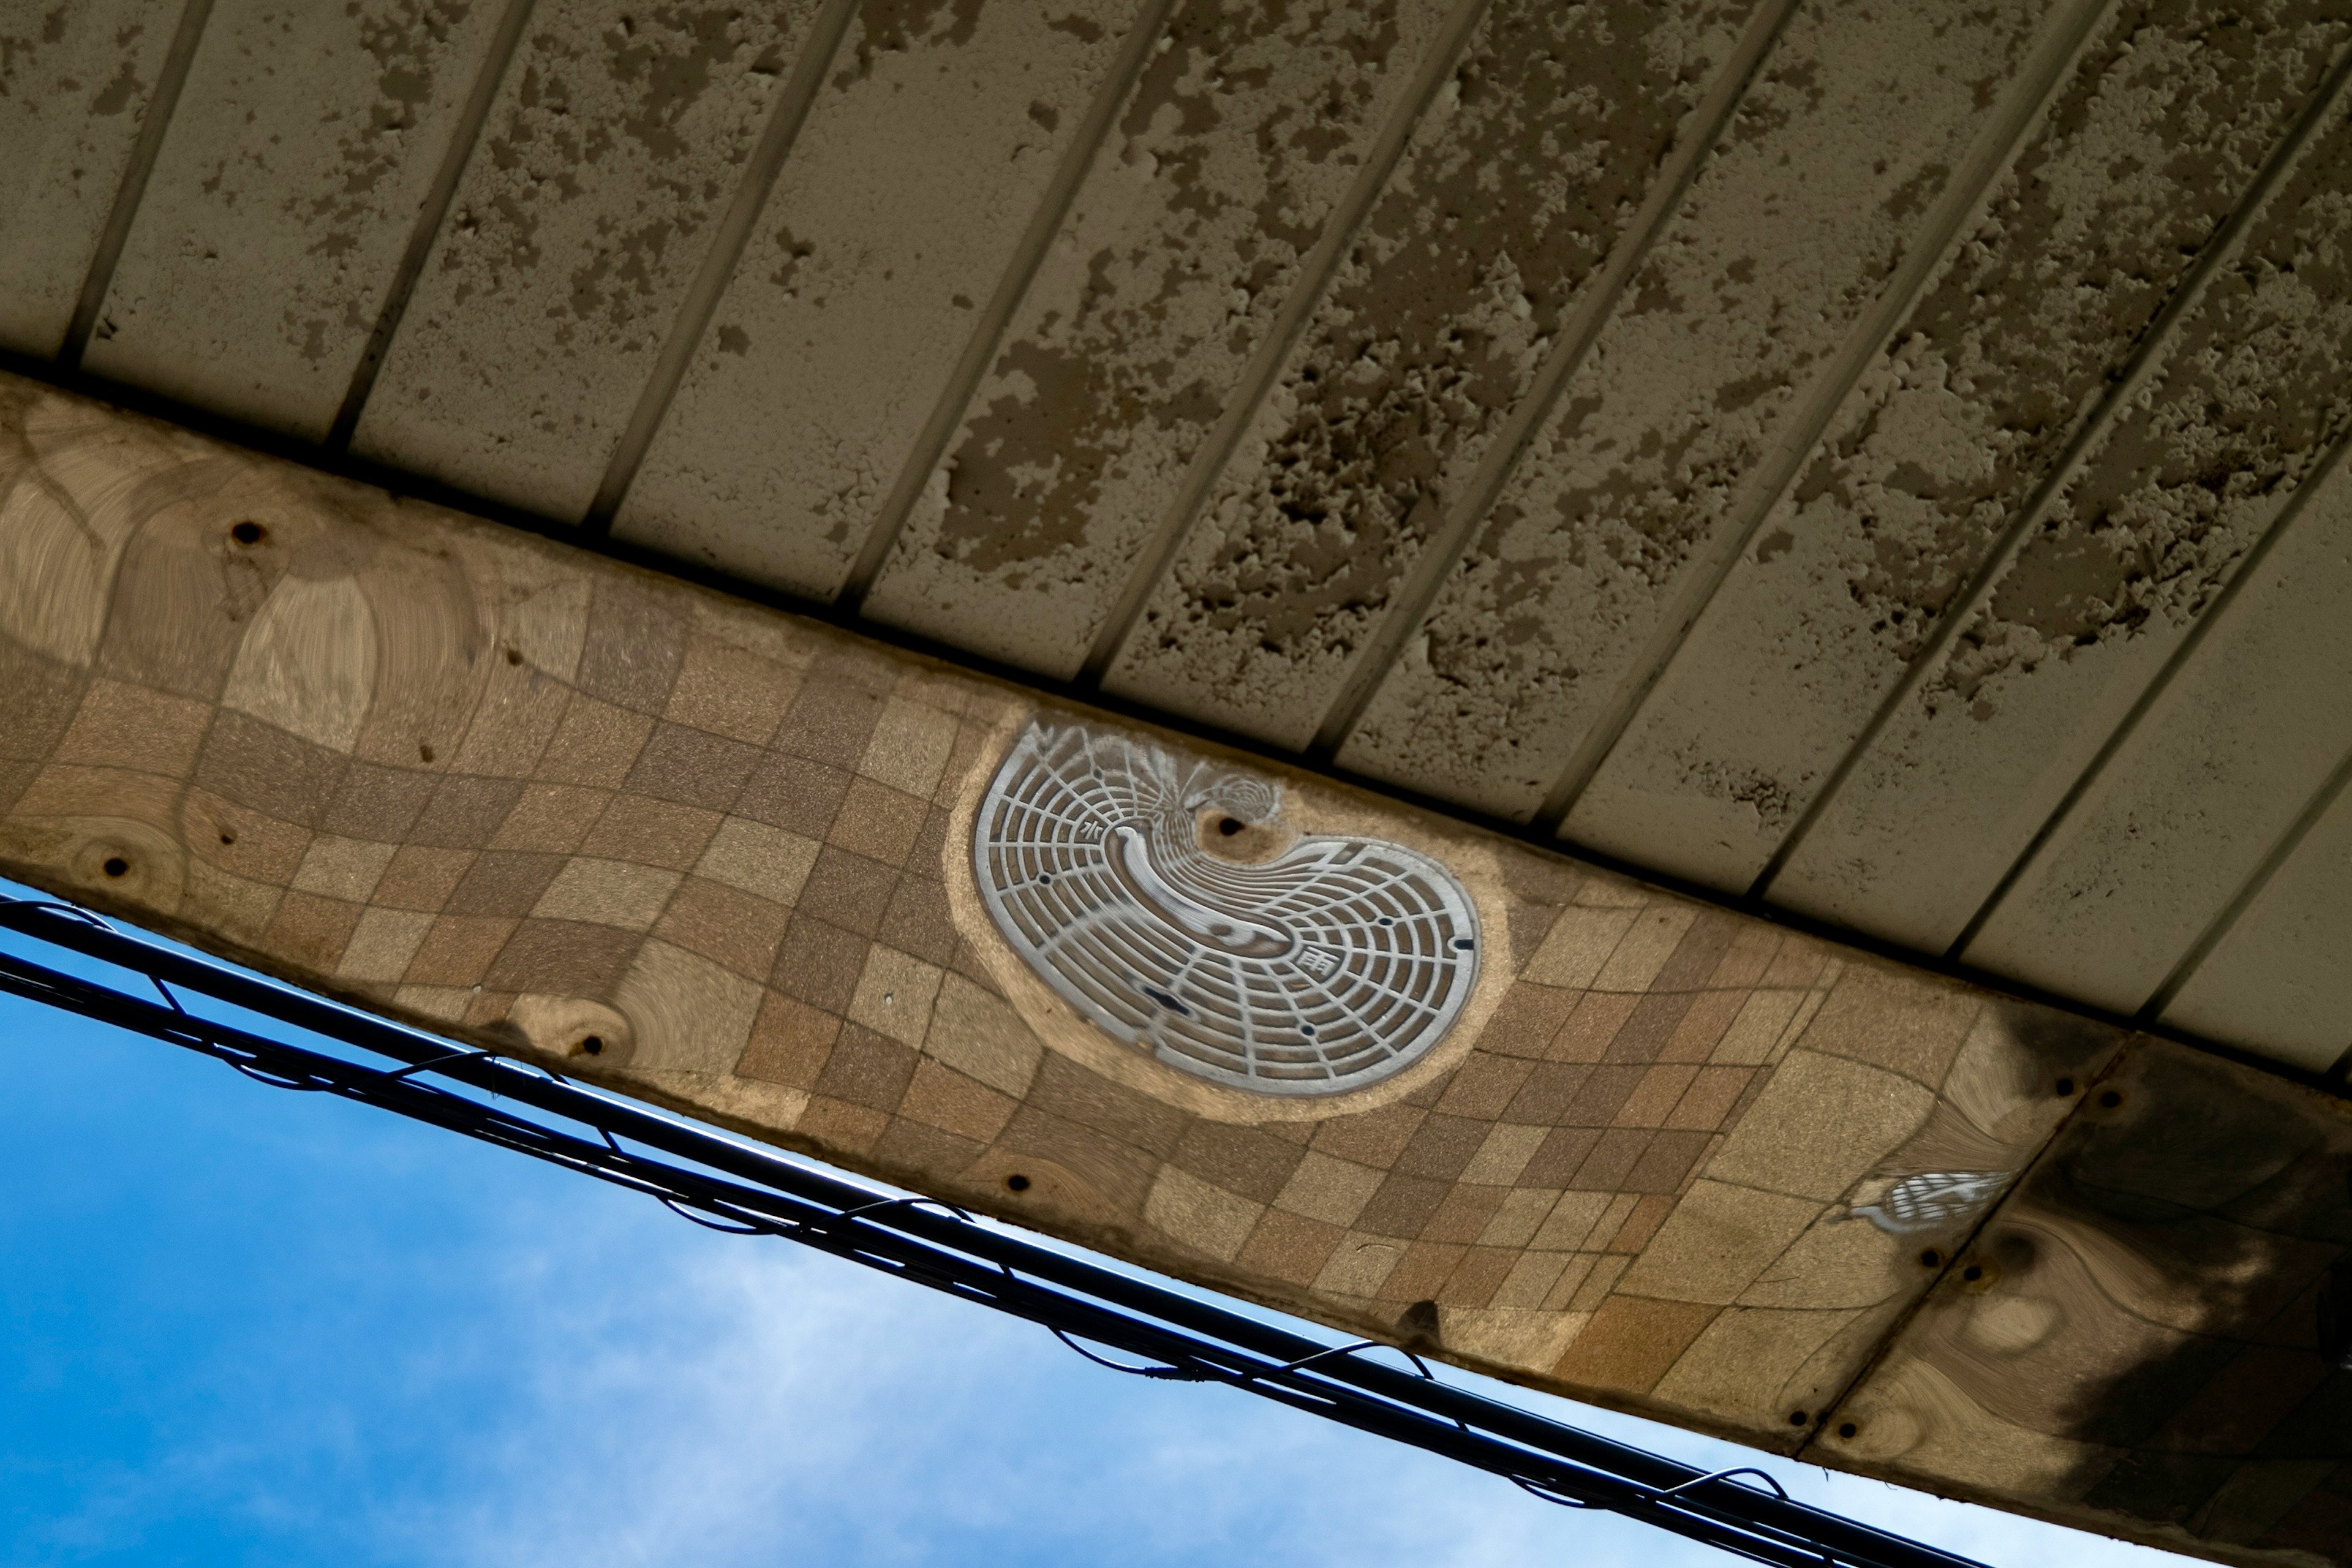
x=1508 y=202
x=2145 y=152
x=2280 y=981
x=2206 y=784
x=1793 y=227
x=1225 y=168
x=2256 y=389
x=724 y=860
x=909 y=188
x=610 y=155
x=74 y=80
x=281 y=201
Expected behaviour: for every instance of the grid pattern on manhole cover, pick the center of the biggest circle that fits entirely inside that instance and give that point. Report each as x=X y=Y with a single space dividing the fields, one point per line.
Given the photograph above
x=1330 y=965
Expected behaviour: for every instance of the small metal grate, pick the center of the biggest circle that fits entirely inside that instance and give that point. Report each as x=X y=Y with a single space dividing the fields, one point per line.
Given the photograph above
x=1328 y=966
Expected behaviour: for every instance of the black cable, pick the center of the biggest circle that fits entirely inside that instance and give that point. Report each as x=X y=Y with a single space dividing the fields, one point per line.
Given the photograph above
x=734 y=1187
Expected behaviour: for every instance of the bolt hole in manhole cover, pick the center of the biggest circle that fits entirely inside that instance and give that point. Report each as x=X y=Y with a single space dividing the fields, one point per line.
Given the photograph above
x=1284 y=965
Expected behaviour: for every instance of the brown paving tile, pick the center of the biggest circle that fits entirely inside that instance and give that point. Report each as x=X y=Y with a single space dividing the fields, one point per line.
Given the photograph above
x=1464 y=1215
x=58 y=790
x=1694 y=957
x=793 y=793
x=969 y=964
x=1743 y=963
x=1605 y=1090
x=241 y=840
x=837 y=1124
x=919 y=921
x=928 y=852
x=1645 y=1033
x=963 y=755
x=1558 y=1158
x=517 y=716
x=131 y=727
x=459 y=949
x=1120 y=1174
x=595 y=745
x=1665 y=1163
x=1654 y=1098
x=465 y=813
x=1063 y=1088
x=1613 y=1156
x=1241 y=1160
x=1703 y=1026
x=866 y=1068
x=42 y=698
x=878 y=822
x=923 y=1151
x=1441 y=1146
x=503 y=882
x=1543 y=1100
x=729 y=927
x=1799 y=964
x=942 y=1098
x=731 y=691
x=652 y=832
x=1422 y=1272
x=551 y=818
x=1371 y=1138
x=487 y=1008
x=1525 y=1022
x=1586 y=1034
x=15 y=774
x=262 y=767
x=564 y=958
x=1640 y=1225
x=421 y=878
x=1478 y=1277
x=1290 y=1248
x=1631 y=1342
x=635 y=640
x=1402 y=1205
x=311 y=930
x=789 y=1044
x=832 y=716
x=1709 y=1097
x=819 y=963
x=1483 y=1085
x=378 y=803
x=849 y=891
x=691 y=767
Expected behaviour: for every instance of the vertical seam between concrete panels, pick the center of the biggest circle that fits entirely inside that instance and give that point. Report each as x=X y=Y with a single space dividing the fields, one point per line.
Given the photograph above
x=173 y=75
x=2147 y=699
x=2136 y=374
x=794 y=101
x=1158 y=549
x=2248 y=892
x=1971 y=184
x=430 y=215
x=987 y=334
x=1427 y=578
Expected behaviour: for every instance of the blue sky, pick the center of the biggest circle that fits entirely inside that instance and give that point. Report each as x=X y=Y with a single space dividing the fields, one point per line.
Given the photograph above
x=248 y=1327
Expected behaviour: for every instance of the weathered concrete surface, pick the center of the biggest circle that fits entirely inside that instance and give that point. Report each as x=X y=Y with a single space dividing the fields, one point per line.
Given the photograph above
x=1223 y=172
x=1515 y=188
x=2207 y=783
x=528 y=797
x=2143 y=155
x=74 y=80
x=920 y=165
x=611 y=153
x=2252 y=396
x=284 y=191
x=2280 y=980
x=1793 y=227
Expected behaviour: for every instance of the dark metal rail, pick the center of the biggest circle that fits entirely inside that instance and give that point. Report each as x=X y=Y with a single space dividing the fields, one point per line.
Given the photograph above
x=718 y=1182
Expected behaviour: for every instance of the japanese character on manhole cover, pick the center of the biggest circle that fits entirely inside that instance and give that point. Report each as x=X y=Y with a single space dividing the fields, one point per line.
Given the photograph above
x=1166 y=901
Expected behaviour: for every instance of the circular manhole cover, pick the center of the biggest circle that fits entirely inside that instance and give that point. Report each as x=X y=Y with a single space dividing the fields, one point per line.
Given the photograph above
x=1159 y=898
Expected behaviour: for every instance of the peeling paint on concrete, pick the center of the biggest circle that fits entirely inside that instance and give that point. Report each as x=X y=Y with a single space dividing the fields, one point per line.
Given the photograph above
x=1792 y=228
x=610 y=155
x=2256 y=388
x=1182 y=247
x=74 y=80
x=283 y=195
x=907 y=191
x=2147 y=150
x=1516 y=187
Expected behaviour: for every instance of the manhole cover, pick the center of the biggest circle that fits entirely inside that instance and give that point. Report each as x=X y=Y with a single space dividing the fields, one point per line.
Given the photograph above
x=1304 y=969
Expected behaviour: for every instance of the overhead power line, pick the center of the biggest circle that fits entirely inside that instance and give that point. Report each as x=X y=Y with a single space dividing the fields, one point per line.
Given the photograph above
x=1113 y=1319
